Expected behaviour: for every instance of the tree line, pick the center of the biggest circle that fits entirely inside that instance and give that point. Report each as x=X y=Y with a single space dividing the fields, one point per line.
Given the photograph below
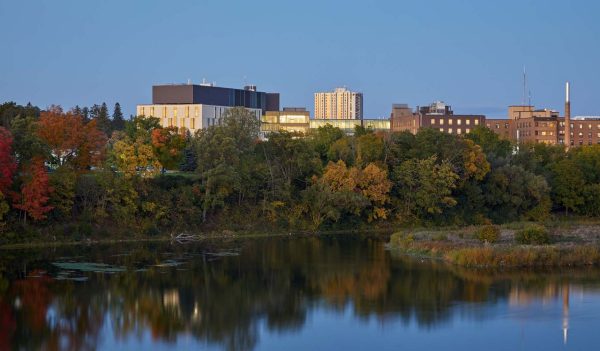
x=84 y=169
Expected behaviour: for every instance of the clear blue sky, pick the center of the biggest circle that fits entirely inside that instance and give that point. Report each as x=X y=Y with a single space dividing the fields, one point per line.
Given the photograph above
x=467 y=53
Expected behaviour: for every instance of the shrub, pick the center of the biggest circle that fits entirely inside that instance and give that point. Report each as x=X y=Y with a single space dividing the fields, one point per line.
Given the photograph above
x=489 y=233
x=401 y=240
x=533 y=234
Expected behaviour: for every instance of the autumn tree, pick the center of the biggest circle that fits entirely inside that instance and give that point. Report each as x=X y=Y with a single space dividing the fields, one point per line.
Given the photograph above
x=7 y=160
x=168 y=145
x=371 y=182
x=33 y=198
x=72 y=142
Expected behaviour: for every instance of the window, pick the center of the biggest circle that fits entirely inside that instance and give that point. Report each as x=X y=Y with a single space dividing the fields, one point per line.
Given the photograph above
x=450 y=121
x=175 y=112
x=152 y=111
x=449 y=130
x=182 y=122
x=165 y=111
x=581 y=126
x=580 y=134
x=459 y=122
x=468 y=121
x=458 y=131
x=142 y=112
x=441 y=122
x=193 y=123
x=187 y=111
x=196 y=111
x=589 y=126
x=442 y=130
x=476 y=122
x=467 y=130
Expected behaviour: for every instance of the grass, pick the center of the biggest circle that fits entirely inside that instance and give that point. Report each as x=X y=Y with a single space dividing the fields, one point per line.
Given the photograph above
x=572 y=245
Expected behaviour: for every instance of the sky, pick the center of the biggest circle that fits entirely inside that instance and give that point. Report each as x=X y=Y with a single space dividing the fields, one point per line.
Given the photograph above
x=469 y=54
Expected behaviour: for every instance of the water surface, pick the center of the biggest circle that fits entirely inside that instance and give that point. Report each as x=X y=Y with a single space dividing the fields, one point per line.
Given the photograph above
x=327 y=293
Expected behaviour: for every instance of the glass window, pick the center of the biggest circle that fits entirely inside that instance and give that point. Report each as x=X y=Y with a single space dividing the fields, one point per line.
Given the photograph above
x=467 y=130
x=175 y=112
x=449 y=130
x=450 y=121
x=459 y=121
x=458 y=131
x=441 y=122
x=468 y=121
x=442 y=130
x=476 y=122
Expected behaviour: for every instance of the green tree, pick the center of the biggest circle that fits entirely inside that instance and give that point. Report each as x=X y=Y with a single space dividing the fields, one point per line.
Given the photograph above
x=424 y=188
x=567 y=185
x=324 y=137
x=512 y=193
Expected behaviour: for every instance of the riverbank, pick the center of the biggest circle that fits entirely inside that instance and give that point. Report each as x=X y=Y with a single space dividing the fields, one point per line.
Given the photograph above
x=514 y=245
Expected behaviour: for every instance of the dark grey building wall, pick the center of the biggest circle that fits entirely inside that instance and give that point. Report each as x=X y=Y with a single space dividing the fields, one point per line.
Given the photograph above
x=200 y=94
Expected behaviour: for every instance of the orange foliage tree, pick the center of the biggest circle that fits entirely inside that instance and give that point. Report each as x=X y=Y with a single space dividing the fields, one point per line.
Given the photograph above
x=35 y=191
x=7 y=160
x=371 y=182
x=72 y=142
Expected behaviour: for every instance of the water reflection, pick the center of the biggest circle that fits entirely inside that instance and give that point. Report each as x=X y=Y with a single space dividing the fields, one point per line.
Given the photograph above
x=223 y=294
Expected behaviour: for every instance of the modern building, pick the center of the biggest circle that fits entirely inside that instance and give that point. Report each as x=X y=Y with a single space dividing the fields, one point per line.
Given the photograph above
x=348 y=125
x=193 y=107
x=339 y=104
x=290 y=119
x=437 y=115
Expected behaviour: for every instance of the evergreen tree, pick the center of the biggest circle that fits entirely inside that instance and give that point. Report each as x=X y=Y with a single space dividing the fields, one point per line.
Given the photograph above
x=118 y=123
x=100 y=114
x=85 y=113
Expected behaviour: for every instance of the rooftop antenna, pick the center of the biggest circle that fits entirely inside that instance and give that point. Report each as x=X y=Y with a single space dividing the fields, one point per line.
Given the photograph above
x=189 y=81
x=524 y=84
x=529 y=97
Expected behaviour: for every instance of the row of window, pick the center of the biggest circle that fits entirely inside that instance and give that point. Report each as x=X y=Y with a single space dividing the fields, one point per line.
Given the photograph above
x=458 y=121
x=458 y=130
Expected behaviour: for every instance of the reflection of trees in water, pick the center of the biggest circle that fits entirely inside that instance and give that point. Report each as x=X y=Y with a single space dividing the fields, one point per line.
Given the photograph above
x=223 y=300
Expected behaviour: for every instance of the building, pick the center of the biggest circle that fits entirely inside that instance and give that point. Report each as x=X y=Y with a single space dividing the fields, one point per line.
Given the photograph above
x=348 y=125
x=500 y=126
x=437 y=115
x=290 y=119
x=339 y=104
x=193 y=107
x=404 y=119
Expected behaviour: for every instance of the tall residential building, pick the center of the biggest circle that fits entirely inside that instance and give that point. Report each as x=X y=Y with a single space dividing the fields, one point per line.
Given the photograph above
x=339 y=104
x=194 y=107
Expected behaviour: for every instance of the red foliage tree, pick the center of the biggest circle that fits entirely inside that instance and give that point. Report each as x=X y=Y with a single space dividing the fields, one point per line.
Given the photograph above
x=72 y=141
x=7 y=160
x=35 y=191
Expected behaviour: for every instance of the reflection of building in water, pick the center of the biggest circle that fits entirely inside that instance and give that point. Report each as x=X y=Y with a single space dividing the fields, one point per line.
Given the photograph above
x=565 y=311
x=522 y=297
x=171 y=299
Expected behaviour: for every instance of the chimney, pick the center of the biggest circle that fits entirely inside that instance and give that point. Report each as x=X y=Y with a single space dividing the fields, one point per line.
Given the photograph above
x=567 y=138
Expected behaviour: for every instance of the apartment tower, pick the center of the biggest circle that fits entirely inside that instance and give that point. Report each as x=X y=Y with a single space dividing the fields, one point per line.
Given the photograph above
x=339 y=104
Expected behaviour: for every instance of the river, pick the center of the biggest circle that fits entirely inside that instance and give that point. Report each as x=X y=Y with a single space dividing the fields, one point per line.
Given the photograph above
x=284 y=293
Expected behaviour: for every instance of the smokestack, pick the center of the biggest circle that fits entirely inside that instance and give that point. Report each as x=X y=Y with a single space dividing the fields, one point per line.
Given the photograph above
x=567 y=115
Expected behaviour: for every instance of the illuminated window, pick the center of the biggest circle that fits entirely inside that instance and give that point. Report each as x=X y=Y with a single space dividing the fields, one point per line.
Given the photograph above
x=441 y=122
x=175 y=112
x=152 y=111
x=187 y=111
x=581 y=126
x=459 y=122
x=142 y=112
x=458 y=131
x=442 y=130
x=450 y=121
x=165 y=111
x=476 y=122
x=182 y=122
x=468 y=122
x=196 y=111
x=449 y=130
x=193 y=123
x=467 y=130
